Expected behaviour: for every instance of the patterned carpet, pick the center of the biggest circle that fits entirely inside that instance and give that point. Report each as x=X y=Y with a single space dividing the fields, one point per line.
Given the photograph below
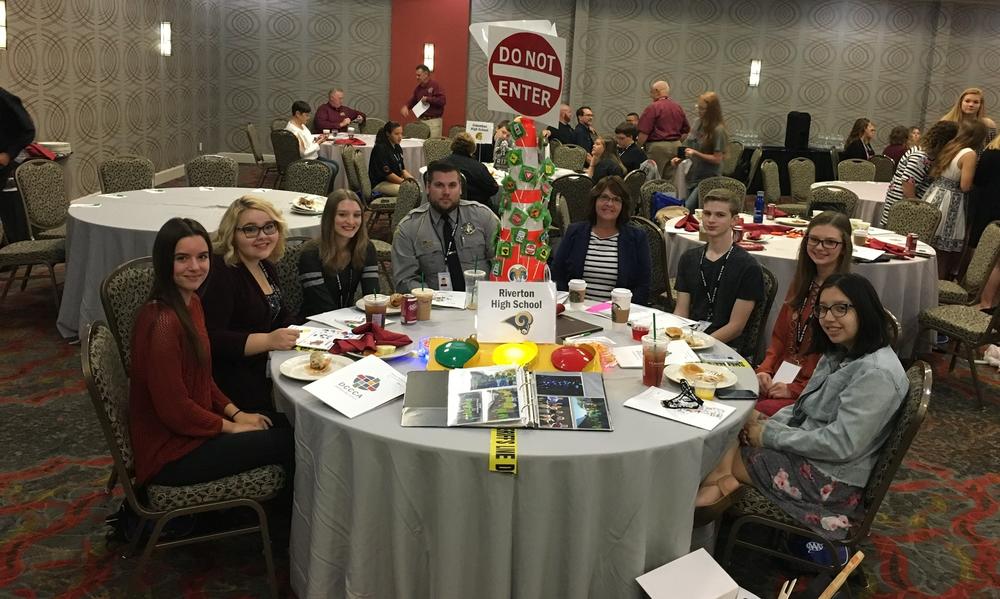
x=936 y=535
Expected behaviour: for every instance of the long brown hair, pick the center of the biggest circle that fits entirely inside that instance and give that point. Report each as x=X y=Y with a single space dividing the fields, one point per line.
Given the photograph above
x=938 y=137
x=357 y=247
x=956 y=114
x=805 y=268
x=611 y=154
x=971 y=134
x=856 y=131
x=712 y=121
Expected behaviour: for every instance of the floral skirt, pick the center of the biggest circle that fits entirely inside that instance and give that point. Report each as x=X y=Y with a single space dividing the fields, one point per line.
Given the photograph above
x=825 y=506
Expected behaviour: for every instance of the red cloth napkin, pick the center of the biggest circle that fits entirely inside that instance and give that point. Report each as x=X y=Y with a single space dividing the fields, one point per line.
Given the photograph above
x=560 y=308
x=779 y=213
x=371 y=335
x=754 y=235
x=748 y=227
x=688 y=222
x=878 y=244
x=751 y=246
x=349 y=141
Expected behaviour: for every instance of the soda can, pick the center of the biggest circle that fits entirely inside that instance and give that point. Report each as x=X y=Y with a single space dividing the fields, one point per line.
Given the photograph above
x=737 y=234
x=409 y=309
x=770 y=210
x=911 y=243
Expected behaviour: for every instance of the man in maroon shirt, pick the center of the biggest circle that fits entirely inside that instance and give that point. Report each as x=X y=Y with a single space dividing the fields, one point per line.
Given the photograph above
x=334 y=116
x=662 y=127
x=431 y=93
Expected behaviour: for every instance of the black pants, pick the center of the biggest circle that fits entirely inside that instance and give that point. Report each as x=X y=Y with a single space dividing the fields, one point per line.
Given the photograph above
x=228 y=454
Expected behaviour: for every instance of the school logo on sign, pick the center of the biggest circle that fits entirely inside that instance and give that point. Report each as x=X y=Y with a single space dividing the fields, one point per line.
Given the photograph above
x=365 y=382
x=521 y=321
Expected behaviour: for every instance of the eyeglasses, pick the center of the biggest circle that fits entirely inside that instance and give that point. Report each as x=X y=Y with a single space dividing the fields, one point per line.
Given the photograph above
x=685 y=400
x=839 y=310
x=587 y=114
x=828 y=244
x=251 y=231
x=608 y=198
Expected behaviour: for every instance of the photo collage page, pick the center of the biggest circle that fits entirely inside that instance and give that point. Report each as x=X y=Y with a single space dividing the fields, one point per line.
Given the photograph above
x=572 y=402
x=484 y=396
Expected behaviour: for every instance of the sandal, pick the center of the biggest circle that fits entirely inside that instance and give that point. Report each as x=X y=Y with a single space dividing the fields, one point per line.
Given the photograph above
x=709 y=513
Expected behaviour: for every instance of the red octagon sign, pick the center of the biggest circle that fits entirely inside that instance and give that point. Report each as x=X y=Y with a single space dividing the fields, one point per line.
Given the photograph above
x=526 y=73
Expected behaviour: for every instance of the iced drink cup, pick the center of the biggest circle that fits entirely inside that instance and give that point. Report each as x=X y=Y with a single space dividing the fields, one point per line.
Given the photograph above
x=375 y=307
x=424 y=296
x=621 y=303
x=472 y=278
x=654 y=354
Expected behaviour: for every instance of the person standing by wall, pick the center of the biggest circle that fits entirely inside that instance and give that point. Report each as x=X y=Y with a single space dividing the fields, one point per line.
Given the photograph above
x=430 y=92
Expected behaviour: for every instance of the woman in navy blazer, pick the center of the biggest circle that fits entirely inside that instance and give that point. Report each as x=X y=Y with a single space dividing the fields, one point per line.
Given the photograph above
x=606 y=251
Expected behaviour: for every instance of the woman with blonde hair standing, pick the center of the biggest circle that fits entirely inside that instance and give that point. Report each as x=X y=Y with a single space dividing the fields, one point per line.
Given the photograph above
x=706 y=147
x=971 y=106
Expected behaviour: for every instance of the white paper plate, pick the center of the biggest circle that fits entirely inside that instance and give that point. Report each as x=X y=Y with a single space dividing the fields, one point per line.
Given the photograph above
x=298 y=367
x=700 y=340
x=673 y=372
x=792 y=221
x=400 y=352
x=315 y=206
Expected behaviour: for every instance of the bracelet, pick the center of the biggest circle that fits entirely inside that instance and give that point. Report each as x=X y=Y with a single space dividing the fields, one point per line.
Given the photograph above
x=233 y=417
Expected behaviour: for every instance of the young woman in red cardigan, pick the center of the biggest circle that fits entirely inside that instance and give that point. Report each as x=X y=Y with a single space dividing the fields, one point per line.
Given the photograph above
x=825 y=249
x=184 y=429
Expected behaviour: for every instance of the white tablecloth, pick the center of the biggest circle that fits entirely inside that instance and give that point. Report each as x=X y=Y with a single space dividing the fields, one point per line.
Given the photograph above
x=413 y=155
x=386 y=511
x=871 y=197
x=101 y=237
x=906 y=287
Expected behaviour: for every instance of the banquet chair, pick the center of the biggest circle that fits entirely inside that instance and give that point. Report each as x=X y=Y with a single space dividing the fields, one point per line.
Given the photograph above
x=751 y=507
x=834 y=156
x=27 y=253
x=908 y=216
x=855 y=169
x=288 y=272
x=347 y=157
x=569 y=156
x=455 y=130
x=107 y=383
x=211 y=170
x=408 y=199
x=43 y=191
x=436 y=148
x=308 y=176
x=372 y=125
x=381 y=206
x=984 y=256
x=734 y=151
x=885 y=168
x=125 y=173
x=264 y=167
x=279 y=123
x=559 y=211
x=965 y=325
x=755 y=158
x=123 y=292
x=576 y=189
x=833 y=197
x=711 y=183
x=801 y=176
x=644 y=207
x=659 y=283
x=416 y=130
x=633 y=183
x=772 y=181
x=286 y=151
x=754 y=333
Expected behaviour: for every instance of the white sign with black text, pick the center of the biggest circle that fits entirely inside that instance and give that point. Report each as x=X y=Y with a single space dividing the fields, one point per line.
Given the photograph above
x=481 y=131
x=514 y=312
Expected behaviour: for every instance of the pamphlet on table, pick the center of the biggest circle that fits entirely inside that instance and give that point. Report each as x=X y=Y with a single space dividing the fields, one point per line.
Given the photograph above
x=360 y=387
x=707 y=416
x=449 y=299
x=509 y=396
x=319 y=338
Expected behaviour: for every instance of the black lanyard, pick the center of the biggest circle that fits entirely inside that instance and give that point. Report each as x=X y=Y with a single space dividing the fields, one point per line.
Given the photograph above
x=712 y=292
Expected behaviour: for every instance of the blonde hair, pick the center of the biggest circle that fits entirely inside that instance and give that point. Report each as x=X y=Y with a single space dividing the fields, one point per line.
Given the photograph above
x=956 y=114
x=224 y=240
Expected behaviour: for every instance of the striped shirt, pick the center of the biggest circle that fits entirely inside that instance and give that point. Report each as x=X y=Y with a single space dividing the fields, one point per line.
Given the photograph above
x=913 y=166
x=600 y=267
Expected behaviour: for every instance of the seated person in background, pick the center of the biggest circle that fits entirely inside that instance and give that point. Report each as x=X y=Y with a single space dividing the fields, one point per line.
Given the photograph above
x=912 y=176
x=480 y=186
x=632 y=118
x=584 y=133
x=245 y=312
x=913 y=138
x=386 y=169
x=565 y=132
x=184 y=429
x=331 y=270
x=308 y=147
x=719 y=282
x=813 y=459
x=501 y=145
x=606 y=250
x=335 y=116
x=897 y=143
x=604 y=160
x=859 y=141
x=628 y=152
x=438 y=240
x=825 y=250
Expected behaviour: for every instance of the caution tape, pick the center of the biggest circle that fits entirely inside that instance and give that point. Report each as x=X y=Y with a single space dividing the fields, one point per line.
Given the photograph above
x=503 y=450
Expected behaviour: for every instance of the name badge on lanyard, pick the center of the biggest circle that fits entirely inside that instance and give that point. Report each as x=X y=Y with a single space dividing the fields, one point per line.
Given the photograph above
x=444 y=281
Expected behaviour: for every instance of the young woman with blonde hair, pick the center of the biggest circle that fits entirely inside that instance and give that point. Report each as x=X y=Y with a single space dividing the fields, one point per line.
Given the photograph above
x=706 y=147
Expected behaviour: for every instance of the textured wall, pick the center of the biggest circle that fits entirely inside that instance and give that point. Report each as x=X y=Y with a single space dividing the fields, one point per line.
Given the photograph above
x=90 y=73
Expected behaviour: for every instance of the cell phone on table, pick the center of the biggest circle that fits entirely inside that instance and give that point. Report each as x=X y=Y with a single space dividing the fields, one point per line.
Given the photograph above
x=735 y=394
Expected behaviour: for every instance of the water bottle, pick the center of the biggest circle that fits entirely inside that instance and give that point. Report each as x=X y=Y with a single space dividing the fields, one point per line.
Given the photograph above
x=758 y=208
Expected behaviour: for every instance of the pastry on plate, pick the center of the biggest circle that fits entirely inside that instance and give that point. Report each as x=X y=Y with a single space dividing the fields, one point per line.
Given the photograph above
x=319 y=361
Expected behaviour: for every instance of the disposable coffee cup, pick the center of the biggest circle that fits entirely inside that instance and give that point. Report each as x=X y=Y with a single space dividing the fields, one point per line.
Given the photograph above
x=577 y=292
x=424 y=297
x=472 y=278
x=621 y=304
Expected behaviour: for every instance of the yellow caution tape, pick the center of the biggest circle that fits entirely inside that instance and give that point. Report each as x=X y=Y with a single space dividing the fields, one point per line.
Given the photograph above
x=503 y=450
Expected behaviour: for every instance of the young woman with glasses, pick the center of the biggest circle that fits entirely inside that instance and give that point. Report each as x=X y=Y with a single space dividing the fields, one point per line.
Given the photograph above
x=605 y=250
x=813 y=458
x=245 y=312
x=825 y=250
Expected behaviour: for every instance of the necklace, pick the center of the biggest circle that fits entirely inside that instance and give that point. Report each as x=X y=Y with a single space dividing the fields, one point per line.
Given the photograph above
x=712 y=292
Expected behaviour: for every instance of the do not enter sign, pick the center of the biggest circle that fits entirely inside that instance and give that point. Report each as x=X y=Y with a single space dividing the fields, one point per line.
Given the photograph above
x=526 y=73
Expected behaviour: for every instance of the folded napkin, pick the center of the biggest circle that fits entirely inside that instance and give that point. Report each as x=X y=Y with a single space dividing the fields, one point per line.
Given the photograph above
x=371 y=335
x=754 y=235
x=779 y=213
x=748 y=227
x=560 y=308
x=751 y=246
x=878 y=244
x=688 y=222
x=349 y=141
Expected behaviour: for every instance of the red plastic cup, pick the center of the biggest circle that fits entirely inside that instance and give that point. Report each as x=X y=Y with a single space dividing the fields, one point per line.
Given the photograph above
x=638 y=331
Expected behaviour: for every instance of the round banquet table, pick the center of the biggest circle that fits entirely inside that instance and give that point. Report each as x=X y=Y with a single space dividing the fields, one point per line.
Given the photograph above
x=105 y=230
x=413 y=155
x=383 y=510
x=906 y=287
x=871 y=197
